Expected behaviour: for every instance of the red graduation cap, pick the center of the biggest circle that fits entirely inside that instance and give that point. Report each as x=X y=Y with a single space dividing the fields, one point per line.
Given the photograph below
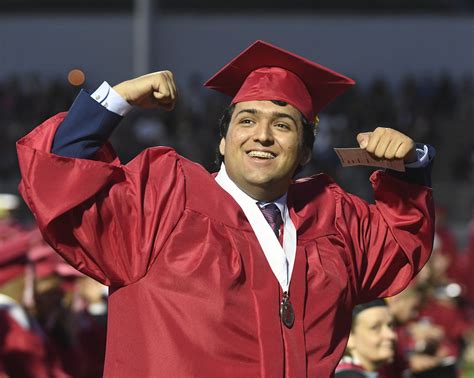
x=266 y=72
x=13 y=253
x=48 y=262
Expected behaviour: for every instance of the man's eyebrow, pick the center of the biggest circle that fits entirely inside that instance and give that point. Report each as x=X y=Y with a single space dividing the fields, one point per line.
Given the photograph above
x=284 y=115
x=274 y=114
x=252 y=111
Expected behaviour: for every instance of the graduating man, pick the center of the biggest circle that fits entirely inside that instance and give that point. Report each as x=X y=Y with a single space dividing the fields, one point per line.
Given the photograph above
x=241 y=274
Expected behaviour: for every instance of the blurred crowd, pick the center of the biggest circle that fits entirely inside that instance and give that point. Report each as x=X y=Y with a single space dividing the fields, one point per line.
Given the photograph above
x=53 y=319
x=428 y=329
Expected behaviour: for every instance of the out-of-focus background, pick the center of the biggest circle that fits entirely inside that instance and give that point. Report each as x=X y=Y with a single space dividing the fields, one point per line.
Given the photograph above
x=414 y=66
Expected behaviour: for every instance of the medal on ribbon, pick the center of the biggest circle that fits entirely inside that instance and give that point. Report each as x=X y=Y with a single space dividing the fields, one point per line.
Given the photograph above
x=287 y=314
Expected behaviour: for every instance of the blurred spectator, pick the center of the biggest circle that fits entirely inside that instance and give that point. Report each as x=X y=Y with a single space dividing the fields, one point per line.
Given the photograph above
x=71 y=310
x=421 y=351
x=404 y=308
x=447 y=246
x=433 y=327
x=441 y=308
x=371 y=341
x=24 y=351
x=467 y=263
x=52 y=318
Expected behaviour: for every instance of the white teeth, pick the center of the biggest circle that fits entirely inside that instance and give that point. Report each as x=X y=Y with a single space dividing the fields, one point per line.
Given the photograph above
x=261 y=154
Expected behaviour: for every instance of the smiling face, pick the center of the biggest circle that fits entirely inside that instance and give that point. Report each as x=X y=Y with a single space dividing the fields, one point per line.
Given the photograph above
x=372 y=339
x=263 y=147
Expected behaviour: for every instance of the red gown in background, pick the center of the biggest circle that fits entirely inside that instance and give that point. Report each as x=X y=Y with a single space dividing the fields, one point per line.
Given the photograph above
x=468 y=265
x=24 y=353
x=452 y=319
x=191 y=291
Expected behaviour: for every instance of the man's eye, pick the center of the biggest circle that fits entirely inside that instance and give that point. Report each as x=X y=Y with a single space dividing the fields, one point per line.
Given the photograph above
x=282 y=126
x=246 y=121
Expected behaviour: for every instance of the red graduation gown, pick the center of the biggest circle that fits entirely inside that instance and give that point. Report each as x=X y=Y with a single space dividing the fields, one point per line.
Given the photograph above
x=191 y=291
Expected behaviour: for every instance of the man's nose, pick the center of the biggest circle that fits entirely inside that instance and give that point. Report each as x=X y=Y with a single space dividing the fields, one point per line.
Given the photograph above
x=263 y=133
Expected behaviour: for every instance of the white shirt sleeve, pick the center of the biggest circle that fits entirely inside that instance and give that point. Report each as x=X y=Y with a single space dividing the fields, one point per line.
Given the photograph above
x=111 y=100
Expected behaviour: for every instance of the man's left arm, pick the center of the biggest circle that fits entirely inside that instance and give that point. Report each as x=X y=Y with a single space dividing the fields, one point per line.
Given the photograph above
x=392 y=239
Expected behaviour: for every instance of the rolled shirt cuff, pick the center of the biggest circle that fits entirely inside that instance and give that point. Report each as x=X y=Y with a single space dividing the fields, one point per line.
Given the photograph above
x=422 y=157
x=111 y=100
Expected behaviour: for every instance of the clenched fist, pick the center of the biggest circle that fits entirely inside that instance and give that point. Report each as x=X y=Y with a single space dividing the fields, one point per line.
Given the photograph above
x=389 y=144
x=154 y=90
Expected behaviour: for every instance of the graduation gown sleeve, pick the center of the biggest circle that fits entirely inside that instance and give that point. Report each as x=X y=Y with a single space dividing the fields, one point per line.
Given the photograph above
x=106 y=219
x=390 y=240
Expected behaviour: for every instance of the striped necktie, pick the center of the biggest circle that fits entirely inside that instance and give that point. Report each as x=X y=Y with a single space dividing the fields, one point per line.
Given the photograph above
x=272 y=214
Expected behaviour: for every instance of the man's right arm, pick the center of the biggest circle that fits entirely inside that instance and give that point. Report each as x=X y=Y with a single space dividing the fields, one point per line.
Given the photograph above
x=92 y=118
x=82 y=206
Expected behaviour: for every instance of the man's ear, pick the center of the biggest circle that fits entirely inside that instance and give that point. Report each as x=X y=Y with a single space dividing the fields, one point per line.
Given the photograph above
x=305 y=156
x=222 y=146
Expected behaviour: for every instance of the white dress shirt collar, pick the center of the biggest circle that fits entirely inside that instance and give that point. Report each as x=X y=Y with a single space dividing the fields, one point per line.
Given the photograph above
x=280 y=258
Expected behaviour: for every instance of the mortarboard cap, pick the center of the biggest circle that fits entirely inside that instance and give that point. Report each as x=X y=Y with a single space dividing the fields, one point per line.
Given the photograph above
x=266 y=72
x=47 y=262
x=13 y=269
x=13 y=254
